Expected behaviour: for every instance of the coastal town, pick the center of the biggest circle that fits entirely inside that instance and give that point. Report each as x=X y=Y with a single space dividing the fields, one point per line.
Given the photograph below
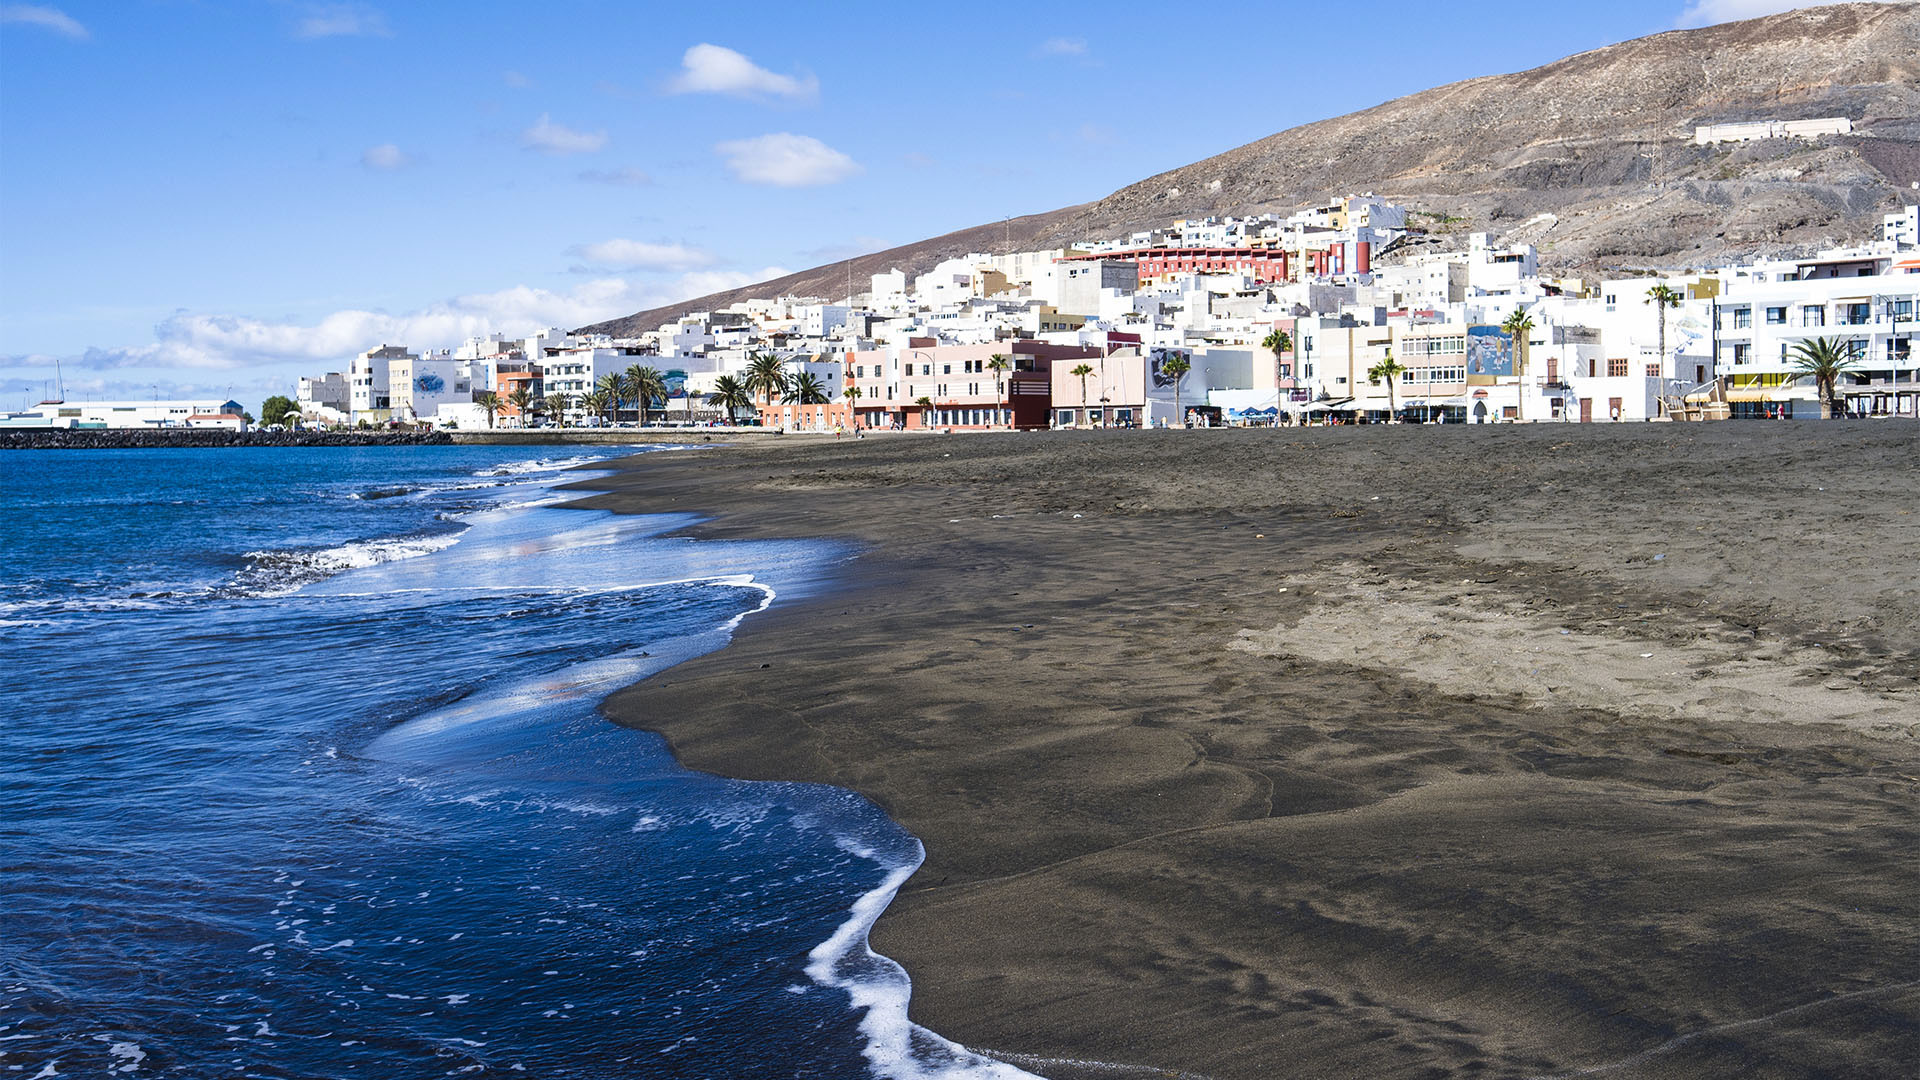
x=1355 y=311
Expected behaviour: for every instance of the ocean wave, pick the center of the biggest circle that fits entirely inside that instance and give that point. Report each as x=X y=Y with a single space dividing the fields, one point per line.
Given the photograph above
x=880 y=989
x=539 y=465
x=278 y=573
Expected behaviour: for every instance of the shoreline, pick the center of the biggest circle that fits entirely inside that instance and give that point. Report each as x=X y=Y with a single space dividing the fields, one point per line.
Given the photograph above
x=1155 y=837
x=213 y=438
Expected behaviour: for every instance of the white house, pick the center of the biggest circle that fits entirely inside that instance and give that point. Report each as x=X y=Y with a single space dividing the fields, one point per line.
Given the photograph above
x=138 y=415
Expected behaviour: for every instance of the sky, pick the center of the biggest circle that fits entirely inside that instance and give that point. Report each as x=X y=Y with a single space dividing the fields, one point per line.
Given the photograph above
x=213 y=197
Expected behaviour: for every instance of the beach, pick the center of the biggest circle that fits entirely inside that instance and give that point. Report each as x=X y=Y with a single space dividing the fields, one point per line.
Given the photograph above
x=1355 y=752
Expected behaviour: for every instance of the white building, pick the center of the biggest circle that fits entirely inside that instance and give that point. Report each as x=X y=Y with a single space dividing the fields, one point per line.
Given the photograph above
x=1902 y=230
x=369 y=384
x=1867 y=302
x=1086 y=286
x=421 y=385
x=1500 y=270
x=122 y=415
x=327 y=400
x=1709 y=134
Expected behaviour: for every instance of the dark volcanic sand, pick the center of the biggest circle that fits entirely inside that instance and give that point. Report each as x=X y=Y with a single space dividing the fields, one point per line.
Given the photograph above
x=1358 y=752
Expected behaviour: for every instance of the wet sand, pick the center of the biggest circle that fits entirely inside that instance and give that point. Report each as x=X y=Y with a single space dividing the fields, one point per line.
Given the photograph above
x=1357 y=752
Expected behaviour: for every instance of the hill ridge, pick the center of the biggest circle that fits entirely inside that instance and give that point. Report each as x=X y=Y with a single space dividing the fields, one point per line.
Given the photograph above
x=1613 y=182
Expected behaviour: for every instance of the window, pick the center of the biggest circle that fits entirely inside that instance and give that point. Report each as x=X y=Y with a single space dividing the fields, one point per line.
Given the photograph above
x=1743 y=318
x=1813 y=315
x=1653 y=371
x=1776 y=316
x=1616 y=366
x=946 y=369
x=1553 y=368
x=1590 y=366
x=1856 y=313
x=1740 y=353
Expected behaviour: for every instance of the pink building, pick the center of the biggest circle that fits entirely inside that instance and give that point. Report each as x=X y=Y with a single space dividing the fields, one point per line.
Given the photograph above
x=922 y=384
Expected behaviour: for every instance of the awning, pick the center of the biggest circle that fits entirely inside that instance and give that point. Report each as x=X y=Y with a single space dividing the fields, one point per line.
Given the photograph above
x=1761 y=394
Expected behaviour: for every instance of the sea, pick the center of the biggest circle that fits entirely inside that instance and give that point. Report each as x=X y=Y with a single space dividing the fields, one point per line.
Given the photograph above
x=303 y=776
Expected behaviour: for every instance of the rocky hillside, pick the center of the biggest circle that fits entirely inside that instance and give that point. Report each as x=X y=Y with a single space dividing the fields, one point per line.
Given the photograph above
x=1590 y=157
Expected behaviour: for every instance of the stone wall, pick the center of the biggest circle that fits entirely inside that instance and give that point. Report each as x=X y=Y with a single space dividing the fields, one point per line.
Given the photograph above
x=134 y=439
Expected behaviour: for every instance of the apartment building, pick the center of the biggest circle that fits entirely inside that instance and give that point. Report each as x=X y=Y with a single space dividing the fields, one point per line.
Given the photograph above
x=1866 y=301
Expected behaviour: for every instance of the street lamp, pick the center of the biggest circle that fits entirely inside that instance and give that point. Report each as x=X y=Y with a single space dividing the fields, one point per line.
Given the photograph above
x=908 y=389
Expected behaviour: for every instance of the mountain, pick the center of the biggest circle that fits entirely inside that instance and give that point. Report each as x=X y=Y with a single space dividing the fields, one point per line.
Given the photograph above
x=1590 y=157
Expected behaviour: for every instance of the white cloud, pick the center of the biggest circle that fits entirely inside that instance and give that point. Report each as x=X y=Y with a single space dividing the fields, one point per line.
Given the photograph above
x=623 y=254
x=553 y=138
x=715 y=69
x=1063 y=46
x=516 y=80
x=193 y=342
x=616 y=177
x=1710 y=12
x=786 y=160
x=45 y=18
x=386 y=157
x=342 y=20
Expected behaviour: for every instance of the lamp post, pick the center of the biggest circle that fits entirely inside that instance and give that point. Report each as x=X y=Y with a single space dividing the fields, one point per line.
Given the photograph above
x=908 y=389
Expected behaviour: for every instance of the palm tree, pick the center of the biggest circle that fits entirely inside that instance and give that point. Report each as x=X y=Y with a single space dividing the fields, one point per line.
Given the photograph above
x=1175 y=367
x=596 y=404
x=1662 y=298
x=999 y=364
x=521 y=398
x=489 y=403
x=1277 y=341
x=766 y=376
x=555 y=406
x=853 y=399
x=1823 y=360
x=614 y=386
x=645 y=384
x=1520 y=325
x=1083 y=371
x=807 y=390
x=632 y=379
x=1388 y=369
x=730 y=394
x=925 y=405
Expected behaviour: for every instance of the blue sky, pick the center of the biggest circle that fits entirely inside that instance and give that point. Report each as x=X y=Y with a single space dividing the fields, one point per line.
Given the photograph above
x=214 y=196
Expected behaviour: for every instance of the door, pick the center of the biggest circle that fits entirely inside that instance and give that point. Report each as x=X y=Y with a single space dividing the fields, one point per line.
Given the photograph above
x=1586 y=410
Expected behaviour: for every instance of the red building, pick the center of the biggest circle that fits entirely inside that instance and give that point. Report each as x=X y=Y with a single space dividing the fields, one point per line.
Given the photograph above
x=1262 y=264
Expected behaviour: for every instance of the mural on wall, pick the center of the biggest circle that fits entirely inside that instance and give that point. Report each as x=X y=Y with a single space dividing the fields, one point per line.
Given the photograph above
x=429 y=384
x=676 y=381
x=1162 y=380
x=1489 y=351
